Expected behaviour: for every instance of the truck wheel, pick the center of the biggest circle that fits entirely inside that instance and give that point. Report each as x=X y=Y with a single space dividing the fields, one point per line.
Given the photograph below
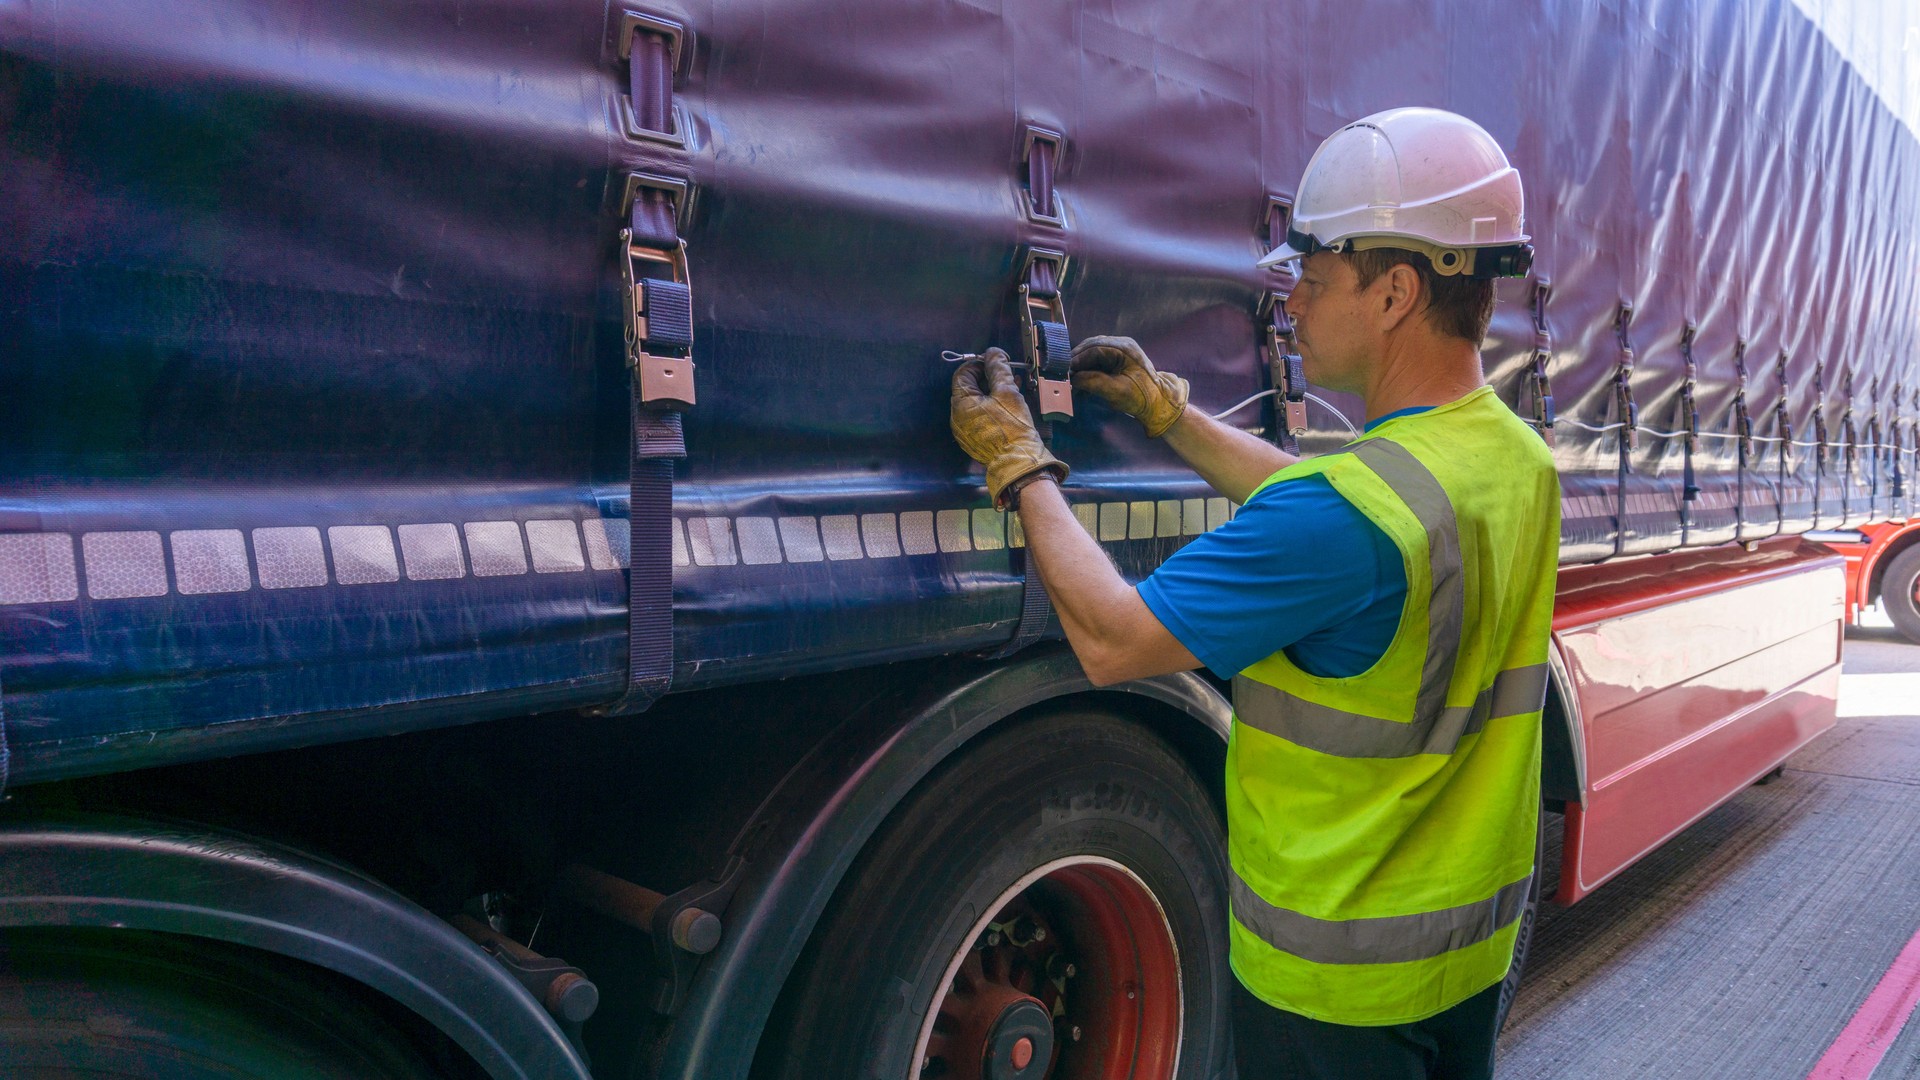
x=1510 y=986
x=121 y=1003
x=1900 y=592
x=1051 y=903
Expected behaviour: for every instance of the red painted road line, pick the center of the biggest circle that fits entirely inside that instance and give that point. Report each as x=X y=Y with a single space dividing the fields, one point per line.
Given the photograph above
x=1867 y=1036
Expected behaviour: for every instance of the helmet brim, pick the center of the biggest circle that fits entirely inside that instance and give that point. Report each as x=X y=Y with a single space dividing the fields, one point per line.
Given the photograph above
x=1285 y=253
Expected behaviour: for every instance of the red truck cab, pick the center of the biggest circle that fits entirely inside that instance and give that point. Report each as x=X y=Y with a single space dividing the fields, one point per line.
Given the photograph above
x=1883 y=567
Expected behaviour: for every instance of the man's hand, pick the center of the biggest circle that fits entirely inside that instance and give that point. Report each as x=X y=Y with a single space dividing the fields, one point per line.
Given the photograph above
x=1115 y=370
x=991 y=423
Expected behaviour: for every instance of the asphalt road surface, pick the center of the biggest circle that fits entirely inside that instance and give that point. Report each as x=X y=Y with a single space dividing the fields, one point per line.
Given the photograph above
x=1745 y=945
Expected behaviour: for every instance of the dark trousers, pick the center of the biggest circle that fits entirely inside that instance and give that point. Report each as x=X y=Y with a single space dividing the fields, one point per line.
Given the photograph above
x=1273 y=1044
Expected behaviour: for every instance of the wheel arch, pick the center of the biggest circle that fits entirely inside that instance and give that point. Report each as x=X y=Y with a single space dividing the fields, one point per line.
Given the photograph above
x=1883 y=554
x=1563 y=746
x=823 y=813
x=122 y=873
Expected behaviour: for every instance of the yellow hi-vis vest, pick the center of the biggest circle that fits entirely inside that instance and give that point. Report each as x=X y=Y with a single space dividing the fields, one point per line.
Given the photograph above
x=1381 y=826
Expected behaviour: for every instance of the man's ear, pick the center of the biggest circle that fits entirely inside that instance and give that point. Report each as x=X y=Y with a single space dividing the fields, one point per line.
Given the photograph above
x=1402 y=294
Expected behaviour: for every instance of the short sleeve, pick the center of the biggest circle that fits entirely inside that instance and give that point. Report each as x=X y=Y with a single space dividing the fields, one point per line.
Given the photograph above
x=1298 y=564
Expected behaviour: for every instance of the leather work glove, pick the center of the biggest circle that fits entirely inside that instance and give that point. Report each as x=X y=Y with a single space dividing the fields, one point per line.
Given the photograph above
x=991 y=423
x=1115 y=370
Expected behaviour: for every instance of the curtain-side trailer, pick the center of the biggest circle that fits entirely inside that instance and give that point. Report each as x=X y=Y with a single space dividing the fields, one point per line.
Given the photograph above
x=404 y=673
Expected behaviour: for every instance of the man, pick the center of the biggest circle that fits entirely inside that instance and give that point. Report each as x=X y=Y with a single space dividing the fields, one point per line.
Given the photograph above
x=1382 y=610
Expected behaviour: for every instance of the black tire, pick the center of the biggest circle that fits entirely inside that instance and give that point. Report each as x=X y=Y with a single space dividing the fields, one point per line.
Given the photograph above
x=1529 y=918
x=1896 y=592
x=120 y=1003
x=1043 y=790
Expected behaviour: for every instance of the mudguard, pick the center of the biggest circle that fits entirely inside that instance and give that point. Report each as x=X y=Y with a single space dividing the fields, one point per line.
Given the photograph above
x=109 y=872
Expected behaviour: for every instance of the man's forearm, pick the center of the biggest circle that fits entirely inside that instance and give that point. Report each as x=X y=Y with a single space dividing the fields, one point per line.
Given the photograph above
x=1109 y=627
x=1229 y=459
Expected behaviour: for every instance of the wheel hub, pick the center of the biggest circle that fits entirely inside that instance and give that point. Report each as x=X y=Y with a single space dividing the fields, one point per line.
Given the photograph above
x=1021 y=1045
x=988 y=1028
x=1072 y=974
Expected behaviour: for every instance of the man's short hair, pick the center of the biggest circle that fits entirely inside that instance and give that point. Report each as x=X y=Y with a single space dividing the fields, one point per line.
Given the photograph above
x=1459 y=306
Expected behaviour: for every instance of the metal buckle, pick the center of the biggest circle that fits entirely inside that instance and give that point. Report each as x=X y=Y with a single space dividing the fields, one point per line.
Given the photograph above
x=1056 y=398
x=664 y=380
x=1055 y=395
x=1283 y=359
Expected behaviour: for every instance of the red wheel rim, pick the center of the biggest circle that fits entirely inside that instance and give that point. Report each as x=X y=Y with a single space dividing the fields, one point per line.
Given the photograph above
x=1080 y=941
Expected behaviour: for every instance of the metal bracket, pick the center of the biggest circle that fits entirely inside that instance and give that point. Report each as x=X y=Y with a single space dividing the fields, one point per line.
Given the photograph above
x=1783 y=417
x=1689 y=413
x=1623 y=378
x=678 y=36
x=1032 y=135
x=1274 y=219
x=1538 y=381
x=1820 y=416
x=682 y=192
x=1742 y=420
x=679 y=42
x=1893 y=434
x=1285 y=371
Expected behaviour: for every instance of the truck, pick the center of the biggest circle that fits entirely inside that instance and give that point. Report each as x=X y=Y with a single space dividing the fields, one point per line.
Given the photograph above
x=1883 y=571
x=486 y=588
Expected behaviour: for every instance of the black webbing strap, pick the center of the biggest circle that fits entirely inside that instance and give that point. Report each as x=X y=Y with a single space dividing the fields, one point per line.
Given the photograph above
x=1629 y=439
x=1850 y=454
x=1689 y=422
x=1035 y=609
x=1056 y=352
x=1899 y=490
x=650 y=81
x=6 y=755
x=1053 y=362
x=657 y=442
x=1040 y=176
x=1783 y=420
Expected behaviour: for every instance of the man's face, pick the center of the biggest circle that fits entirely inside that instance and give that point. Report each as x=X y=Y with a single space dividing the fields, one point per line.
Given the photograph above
x=1332 y=322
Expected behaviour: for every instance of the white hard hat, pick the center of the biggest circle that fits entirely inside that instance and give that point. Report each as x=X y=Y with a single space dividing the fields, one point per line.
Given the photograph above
x=1425 y=180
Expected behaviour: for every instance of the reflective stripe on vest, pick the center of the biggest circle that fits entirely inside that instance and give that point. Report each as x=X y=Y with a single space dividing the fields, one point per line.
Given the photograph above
x=1514 y=692
x=1391 y=939
x=1423 y=495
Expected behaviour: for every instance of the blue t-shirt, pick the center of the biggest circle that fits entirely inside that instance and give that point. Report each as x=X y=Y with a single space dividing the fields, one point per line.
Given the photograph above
x=1298 y=569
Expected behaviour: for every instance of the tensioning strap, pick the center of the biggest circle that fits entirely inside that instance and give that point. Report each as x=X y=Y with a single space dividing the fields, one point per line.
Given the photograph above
x=666 y=314
x=1035 y=609
x=6 y=755
x=1053 y=352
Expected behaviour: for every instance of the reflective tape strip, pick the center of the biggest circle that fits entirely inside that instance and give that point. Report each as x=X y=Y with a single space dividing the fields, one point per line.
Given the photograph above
x=42 y=568
x=1447 y=609
x=1514 y=692
x=1391 y=939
